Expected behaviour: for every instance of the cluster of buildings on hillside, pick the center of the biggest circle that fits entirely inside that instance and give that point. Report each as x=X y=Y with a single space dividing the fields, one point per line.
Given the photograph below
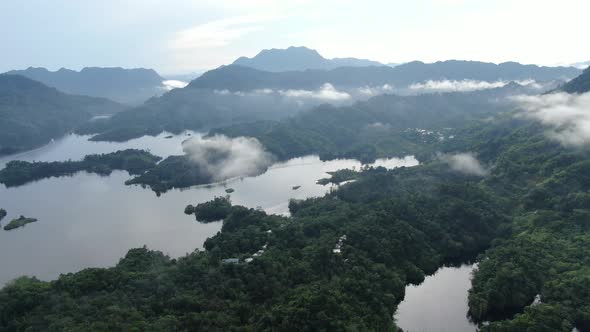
x=235 y=260
x=338 y=248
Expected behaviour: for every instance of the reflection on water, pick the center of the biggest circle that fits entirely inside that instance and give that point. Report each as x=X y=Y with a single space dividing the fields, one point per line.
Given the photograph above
x=88 y=220
x=439 y=303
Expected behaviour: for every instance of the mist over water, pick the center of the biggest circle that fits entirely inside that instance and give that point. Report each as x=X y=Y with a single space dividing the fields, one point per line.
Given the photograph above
x=222 y=157
x=87 y=220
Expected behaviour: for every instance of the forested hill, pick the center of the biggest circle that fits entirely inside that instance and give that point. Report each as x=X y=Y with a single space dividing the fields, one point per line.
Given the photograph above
x=526 y=213
x=32 y=114
x=203 y=109
x=128 y=86
x=240 y=78
x=580 y=84
x=383 y=126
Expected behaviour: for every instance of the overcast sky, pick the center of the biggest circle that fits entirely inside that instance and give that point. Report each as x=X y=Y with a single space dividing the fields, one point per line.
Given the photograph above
x=178 y=36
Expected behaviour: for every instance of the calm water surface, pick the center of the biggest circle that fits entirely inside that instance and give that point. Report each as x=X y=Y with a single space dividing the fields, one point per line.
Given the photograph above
x=88 y=220
x=439 y=303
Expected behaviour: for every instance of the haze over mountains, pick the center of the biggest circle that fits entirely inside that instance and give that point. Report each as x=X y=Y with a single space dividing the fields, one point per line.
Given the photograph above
x=580 y=84
x=298 y=59
x=241 y=78
x=128 y=86
x=293 y=80
x=32 y=113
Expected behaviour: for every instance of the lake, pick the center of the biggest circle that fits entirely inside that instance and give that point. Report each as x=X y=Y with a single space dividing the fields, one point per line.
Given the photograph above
x=87 y=220
x=439 y=303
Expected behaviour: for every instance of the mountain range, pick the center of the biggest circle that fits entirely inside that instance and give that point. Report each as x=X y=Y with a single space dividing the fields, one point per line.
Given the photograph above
x=32 y=113
x=242 y=78
x=128 y=86
x=298 y=59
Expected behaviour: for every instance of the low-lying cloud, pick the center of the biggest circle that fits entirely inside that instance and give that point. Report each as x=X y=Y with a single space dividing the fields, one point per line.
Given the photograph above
x=566 y=115
x=371 y=91
x=466 y=85
x=465 y=163
x=173 y=84
x=222 y=157
x=326 y=92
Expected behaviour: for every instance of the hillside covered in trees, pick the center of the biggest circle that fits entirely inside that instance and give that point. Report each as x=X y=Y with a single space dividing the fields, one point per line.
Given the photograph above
x=32 y=114
x=525 y=218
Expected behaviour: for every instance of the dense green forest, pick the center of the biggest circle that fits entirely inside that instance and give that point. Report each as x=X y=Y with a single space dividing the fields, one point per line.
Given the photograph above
x=18 y=172
x=32 y=114
x=297 y=283
x=383 y=126
x=215 y=210
x=173 y=172
x=203 y=109
x=527 y=220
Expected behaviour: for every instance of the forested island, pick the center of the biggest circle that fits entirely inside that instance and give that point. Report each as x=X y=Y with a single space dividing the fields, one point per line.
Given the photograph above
x=2 y=214
x=173 y=172
x=17 y=172
x=18 y=222
x=215 y=210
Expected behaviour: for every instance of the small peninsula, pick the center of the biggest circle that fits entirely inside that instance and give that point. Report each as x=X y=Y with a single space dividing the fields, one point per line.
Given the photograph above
x=17 y=173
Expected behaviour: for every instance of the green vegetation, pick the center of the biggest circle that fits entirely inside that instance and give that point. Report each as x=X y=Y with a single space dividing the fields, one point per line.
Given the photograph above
x=217 y=209
x=527 y=224
x=173 y=172
x=339 y=176
x=18 y=222
x=189 y=209
x=400 y=224
x=2 y=214
x=383 y=126
x=297 y=283
x=32 y=114
x=17 y=173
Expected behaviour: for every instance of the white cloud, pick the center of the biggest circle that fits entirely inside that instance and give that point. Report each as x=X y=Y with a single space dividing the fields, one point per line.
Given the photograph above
x=567 y=115
x=463 y=85
x=224 y=158
x=376 y=90
x=469 y=85
x=217 y=33
x=464 y=163
x=326 y=92
x=173 y=84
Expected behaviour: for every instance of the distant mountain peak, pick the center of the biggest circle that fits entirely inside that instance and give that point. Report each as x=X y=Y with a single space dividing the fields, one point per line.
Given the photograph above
x=298 y=58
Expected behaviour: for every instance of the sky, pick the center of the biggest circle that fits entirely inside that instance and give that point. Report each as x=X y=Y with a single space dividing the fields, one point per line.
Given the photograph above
x=183 y=36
